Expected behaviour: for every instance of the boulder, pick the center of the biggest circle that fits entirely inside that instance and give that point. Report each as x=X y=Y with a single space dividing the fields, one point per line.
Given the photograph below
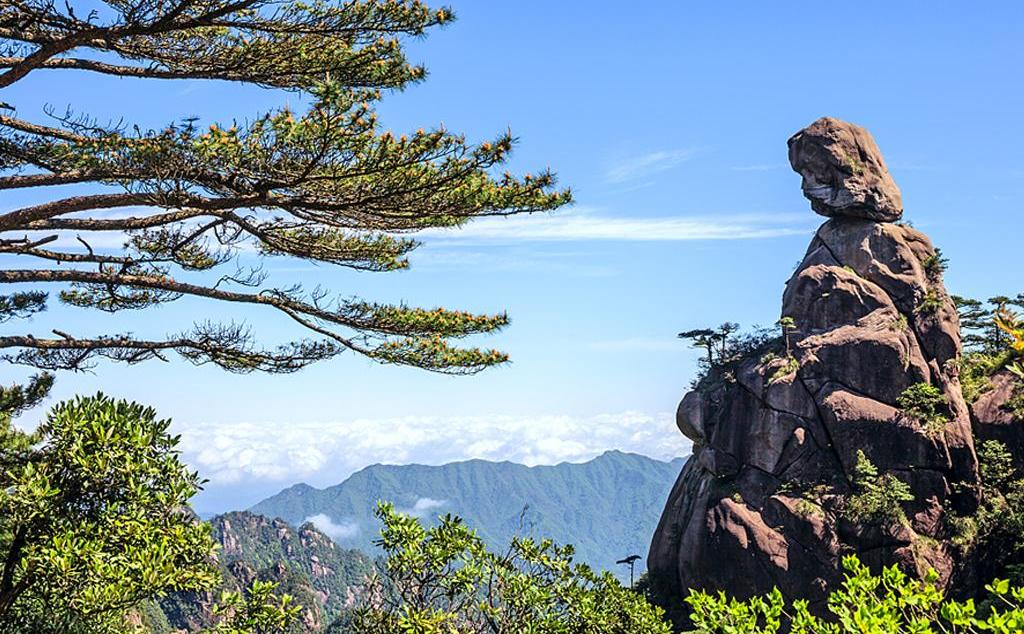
x=777 y=434
x=843 y=172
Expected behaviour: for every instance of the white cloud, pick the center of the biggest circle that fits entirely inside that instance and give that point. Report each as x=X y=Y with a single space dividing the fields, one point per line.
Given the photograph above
x=646 y=164
x=337 y=532
x=424 y=506
x=583 y=224
x=325 y=453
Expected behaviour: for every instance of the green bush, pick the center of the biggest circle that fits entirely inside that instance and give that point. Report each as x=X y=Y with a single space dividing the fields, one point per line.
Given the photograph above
x=926 y=404
x=888 y=603
x=993 y=536
x=878 y=498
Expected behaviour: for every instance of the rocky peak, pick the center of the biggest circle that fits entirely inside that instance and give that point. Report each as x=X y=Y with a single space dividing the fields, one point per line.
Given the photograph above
x=768 y=498
x=843 y=172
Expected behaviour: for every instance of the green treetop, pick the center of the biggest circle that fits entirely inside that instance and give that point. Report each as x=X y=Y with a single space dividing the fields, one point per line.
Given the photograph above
x=442 y=580
x=93 y=518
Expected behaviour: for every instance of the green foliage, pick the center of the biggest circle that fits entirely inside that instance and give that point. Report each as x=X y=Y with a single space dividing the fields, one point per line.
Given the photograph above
x=930 y=303
x=257 y=610
x=1013 y=326
x=15 y=399
x=994 y=534
x=926 y=404
x=788 y=368
x=878 y=498
x=150 y=618
x=995 y=465
x=93 y=517
x=807 y=508
x=730 y=347
x=890 y=602
x=976 y=370
x=21 y=305
x=978 y=326
x=443 y=580
x=716 y=341
x=899 y=324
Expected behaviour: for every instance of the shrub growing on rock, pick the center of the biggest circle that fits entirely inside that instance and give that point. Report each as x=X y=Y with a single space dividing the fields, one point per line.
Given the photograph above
x=994 y=535
x=926 y=404
x=879 y=498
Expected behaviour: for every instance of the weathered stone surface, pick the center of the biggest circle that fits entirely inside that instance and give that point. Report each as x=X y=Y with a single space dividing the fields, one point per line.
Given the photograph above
x=843 y=171
x=761 y=501
x=994 y=420
x=688 y=417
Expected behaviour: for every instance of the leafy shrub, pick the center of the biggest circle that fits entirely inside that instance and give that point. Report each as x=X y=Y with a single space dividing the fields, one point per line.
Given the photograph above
x=807 y=508
x=994 y=535
x=878 y=499
x=891 y=602
x=442 y=580
x=926 y=404
x=976 y=370
x=1015 y=404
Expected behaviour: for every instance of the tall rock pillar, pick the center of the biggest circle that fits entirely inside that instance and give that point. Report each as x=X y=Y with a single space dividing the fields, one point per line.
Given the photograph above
x=767 y=498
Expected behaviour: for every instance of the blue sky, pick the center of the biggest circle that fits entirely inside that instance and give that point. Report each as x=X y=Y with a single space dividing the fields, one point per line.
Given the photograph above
x=669 y=121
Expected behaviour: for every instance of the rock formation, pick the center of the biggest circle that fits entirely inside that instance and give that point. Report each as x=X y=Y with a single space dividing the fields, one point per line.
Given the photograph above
x=843 y=172
x=765 y=500
x=996 y=415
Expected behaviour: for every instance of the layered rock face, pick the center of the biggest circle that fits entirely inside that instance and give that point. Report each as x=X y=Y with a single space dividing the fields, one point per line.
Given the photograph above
x=764 y=500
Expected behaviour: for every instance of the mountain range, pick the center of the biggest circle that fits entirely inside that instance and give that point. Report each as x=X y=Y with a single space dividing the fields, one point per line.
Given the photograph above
x=608 y=508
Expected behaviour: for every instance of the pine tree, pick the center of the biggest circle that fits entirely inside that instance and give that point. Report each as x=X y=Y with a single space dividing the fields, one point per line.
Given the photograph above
x=701 y=338
x=326 y=184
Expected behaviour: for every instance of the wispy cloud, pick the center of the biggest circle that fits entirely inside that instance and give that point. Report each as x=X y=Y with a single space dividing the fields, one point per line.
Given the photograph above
x=584 y=224
x=515 y=258
x=338 y=531
x=325 y=453
x=644 y=165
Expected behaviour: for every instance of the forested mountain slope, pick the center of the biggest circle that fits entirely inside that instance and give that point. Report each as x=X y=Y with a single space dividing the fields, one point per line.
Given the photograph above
x=607 y=507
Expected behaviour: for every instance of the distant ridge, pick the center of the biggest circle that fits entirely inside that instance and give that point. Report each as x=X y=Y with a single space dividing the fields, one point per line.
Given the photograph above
x=607 y=507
